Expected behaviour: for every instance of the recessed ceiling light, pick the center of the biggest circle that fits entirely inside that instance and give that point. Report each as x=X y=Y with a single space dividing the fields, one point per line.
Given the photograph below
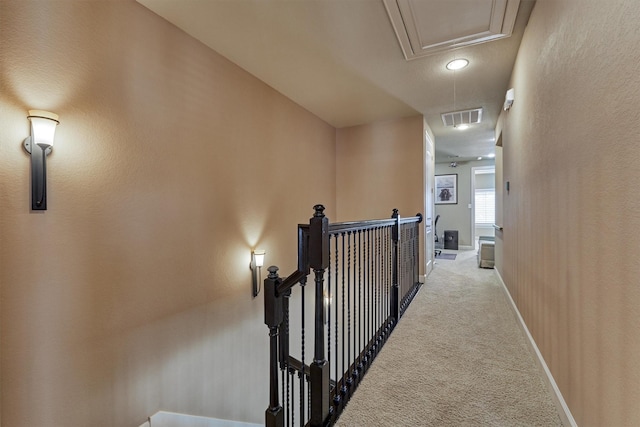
x=491 y=156
x=457 y=64
x=480 y=158
x=462 y=127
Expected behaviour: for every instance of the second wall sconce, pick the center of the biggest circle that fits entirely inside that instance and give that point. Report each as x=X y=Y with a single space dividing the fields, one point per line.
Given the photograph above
x=257 y=261
x=39 y=145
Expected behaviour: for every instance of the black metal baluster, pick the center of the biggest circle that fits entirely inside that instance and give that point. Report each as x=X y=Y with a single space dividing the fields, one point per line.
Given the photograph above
x=308 y=399
x=403 y=257
x=395 y=298
x=336 y=396
x=417 y=260
x=413 y=267
x=359 y=317
x=349 y=380
x=372 y=308
x=387 y=288
x=388 y=276
x=293 y=400
x=407 y=254
x=379 y=283
x=328 y=301
x=409 y=262
x=398 y=265
x=383 y=283
x=389 y=291
x=354 y=370
x=406 y=257
x=343 y=389
x=303 y=283
x=374 y=280
x=289 y=404
x=283 y=372
x=374 y=305
x=284 y=354
x=365 y=281
x=370 y=297
x=414 y=264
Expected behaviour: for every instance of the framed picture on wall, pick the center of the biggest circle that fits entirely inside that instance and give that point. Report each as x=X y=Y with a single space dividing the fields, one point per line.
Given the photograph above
x=446 y=189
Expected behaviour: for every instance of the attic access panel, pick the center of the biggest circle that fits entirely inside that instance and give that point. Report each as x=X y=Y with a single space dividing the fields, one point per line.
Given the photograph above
x=427 y=27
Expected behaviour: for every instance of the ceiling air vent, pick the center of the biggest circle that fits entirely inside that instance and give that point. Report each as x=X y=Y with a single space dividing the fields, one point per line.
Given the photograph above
x=466 y=117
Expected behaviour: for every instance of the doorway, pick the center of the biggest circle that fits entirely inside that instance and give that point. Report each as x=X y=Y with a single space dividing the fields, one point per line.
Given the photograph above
x=429 y=203
x=483 y=212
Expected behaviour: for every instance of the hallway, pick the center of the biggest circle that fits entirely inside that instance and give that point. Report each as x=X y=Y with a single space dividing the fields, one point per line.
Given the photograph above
x=457 y=357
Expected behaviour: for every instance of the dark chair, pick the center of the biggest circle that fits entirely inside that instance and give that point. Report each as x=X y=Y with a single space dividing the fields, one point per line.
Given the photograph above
x=438 y=244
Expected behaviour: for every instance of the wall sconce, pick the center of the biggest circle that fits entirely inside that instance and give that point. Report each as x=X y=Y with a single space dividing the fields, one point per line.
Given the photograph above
x=39 y=145
x=257 y=261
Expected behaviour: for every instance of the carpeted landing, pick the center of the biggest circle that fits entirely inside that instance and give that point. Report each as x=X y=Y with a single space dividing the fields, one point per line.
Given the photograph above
x=456 y=358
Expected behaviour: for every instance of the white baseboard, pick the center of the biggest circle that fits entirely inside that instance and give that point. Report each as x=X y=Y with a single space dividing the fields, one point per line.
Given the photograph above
x=563 y=409
x=172 y=419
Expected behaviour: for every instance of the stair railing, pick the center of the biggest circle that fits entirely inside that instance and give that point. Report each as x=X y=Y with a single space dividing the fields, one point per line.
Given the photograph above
x=365 y=275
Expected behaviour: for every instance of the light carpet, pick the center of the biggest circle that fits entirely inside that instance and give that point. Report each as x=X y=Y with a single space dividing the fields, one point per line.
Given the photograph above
x=456 y=358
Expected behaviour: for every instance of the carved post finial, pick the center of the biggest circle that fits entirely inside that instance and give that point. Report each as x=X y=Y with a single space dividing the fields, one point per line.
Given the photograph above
x=273 y=272
x=319 y=211
x=395 y=213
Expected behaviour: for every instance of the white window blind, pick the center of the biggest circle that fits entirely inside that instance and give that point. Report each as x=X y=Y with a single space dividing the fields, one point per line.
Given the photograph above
x=485 y=206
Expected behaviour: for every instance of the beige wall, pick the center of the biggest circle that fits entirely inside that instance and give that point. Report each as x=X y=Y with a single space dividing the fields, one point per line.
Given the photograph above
x=132 y=292
x=571 y=218
x=380 y=167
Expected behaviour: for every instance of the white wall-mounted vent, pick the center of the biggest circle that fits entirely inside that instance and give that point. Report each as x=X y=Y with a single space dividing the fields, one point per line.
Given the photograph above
x=464 y=117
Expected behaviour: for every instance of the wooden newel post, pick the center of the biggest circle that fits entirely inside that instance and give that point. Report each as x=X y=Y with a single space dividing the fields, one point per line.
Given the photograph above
x=319 y=370
x=273 y=317
x=395 y=291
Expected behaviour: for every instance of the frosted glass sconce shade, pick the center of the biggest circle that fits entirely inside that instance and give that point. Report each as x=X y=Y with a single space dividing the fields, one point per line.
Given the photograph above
x=257 y=261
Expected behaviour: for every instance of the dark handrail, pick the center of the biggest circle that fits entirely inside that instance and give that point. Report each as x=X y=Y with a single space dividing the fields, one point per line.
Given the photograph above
x=351 y=226
x=417 y=218
x=345 y=227
x=290 y=281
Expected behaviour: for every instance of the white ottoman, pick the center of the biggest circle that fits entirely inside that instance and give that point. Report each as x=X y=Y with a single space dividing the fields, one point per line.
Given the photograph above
x=486 y=254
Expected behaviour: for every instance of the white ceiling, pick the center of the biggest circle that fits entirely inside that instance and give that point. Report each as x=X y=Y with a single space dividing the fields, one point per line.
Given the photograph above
x=342 y=59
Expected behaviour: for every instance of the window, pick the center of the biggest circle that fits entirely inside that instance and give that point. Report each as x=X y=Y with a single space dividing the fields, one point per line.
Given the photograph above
x=485 y=206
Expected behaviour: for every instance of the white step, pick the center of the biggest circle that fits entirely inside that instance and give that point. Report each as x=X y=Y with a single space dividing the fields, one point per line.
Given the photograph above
x=172 y=419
